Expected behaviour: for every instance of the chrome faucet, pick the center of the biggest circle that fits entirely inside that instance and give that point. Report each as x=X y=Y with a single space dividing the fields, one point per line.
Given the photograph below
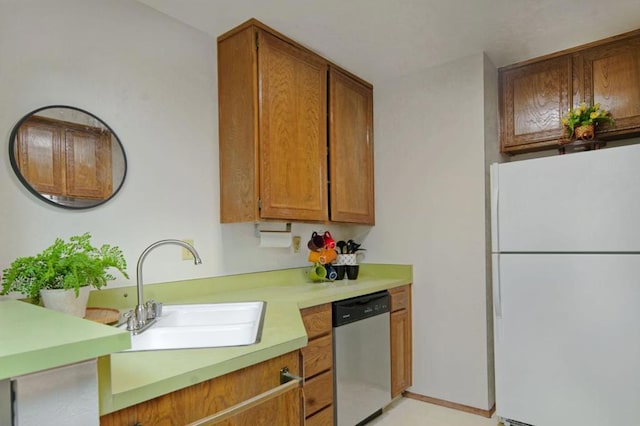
x=145 y=313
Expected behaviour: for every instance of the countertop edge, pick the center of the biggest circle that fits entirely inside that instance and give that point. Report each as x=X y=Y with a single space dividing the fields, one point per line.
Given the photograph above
x=58 y=356
x=113 y=402
x=101 y=340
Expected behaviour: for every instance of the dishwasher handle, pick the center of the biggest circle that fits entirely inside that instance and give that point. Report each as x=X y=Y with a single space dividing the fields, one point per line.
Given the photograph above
x=360 y=308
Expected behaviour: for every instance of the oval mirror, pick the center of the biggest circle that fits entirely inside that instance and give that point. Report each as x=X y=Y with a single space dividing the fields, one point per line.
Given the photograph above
x=67 y=157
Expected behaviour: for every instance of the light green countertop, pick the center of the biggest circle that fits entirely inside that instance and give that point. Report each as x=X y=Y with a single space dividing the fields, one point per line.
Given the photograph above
x=34 y=339
x=128 y=378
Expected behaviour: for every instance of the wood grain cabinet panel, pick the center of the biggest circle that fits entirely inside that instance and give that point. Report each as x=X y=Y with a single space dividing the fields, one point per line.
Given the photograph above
x=272 y=128
x=400 y=298
x=317 y=359
x=317 y=320
x=293 y=141
x=41 y=156
x=88 y=162
x=318 y=355
x=351 y=149
x=321 y=418
x=318 y=393
x=533 y=99
x=611 y=77
x=401 y=343
x=204 y=399
x=65 y=159
x=534 y=95
x=273 y=105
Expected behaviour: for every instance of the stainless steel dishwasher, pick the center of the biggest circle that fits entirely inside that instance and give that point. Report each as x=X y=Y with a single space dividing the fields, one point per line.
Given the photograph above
x=362 y=356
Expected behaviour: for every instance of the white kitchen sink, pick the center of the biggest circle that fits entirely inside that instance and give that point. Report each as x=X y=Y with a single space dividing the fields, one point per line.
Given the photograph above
x=203 y=326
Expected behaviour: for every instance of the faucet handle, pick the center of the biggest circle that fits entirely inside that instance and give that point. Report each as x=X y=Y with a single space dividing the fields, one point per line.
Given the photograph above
x=130 y=320
x=153 y=308
x=157 y=309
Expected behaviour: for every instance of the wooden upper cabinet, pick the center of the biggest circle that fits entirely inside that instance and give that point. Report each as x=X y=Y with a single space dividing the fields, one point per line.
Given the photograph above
x=351 y=149
x=533 y=99
x=65 y=159
x=274 y=143
x=272 y=128
x=238 y=127
x=611 y=76
x=88 y=164
x=41 y=156
x=293 y=132
x=534 y=95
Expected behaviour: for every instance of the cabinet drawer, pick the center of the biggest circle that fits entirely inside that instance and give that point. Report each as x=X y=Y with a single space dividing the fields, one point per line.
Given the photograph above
x=318 y=355
x=318 y=393
x=399 y=298
x=317 y=320
x=321 y=418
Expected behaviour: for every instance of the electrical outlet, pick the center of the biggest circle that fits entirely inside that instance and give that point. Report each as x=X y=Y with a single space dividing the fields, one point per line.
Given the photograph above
x=296 y=244
x=186 y=254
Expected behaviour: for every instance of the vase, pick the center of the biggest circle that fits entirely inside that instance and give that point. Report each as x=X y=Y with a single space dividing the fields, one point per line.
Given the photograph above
x=586 y=132
x=65 y=300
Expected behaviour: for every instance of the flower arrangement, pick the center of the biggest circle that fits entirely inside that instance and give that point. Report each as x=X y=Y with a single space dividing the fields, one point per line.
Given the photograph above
x=583 y=115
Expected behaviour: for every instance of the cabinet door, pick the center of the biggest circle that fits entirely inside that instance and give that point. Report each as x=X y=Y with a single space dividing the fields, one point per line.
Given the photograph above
x=40 y=156
x=88 y=164
x=317 y=356
x=351 y=149
x=401 y=343
x=317 y=320
x=611 y=76
x=533 y=99
x=400 y=352
x=321 y=418
x=293 y=137
x=213 y=396
x=318 y=393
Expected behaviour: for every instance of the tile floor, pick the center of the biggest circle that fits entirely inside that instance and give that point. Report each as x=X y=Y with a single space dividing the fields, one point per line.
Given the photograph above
x=409 y=412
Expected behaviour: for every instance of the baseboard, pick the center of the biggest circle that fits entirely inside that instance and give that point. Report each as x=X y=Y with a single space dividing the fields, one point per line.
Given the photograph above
x=454 y=405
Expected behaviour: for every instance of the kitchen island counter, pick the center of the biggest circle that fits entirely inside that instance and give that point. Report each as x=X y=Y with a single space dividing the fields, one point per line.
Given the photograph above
x=35 y=339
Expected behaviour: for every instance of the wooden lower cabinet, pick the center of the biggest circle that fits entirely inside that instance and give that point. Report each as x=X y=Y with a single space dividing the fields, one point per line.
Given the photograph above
x=318 y=356
x=317 y=362
x=318 y=393
x=401 y=344
x=204 y=399
x=321 y=418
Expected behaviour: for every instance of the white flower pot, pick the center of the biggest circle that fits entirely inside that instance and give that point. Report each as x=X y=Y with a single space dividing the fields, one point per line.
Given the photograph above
x=66 y=300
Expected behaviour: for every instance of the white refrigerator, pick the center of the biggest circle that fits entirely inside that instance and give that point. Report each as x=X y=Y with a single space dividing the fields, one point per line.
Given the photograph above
x=566 y=288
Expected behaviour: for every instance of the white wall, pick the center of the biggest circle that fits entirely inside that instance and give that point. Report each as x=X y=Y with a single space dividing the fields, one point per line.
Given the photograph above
x=430 y=207
x=153 y=80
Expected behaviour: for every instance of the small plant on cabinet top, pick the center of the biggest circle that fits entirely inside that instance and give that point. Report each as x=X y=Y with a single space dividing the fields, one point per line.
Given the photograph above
x=584 y=115
x=64 y=265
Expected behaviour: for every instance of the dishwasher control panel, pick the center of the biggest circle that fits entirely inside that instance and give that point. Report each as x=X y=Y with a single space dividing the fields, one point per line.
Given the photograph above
x=358 y=308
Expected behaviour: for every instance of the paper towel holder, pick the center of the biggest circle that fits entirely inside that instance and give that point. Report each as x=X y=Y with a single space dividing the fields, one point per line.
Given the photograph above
x=270 y=227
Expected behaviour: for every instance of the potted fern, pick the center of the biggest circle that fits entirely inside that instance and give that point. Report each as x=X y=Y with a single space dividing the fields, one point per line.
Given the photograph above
x=63 y=273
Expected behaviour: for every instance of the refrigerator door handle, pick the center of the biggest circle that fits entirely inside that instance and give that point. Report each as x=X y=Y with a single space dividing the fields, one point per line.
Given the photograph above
x=497 y=290
x=495 y=180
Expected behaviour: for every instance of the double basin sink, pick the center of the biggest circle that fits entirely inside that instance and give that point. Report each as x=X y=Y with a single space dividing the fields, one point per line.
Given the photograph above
x=203 y=326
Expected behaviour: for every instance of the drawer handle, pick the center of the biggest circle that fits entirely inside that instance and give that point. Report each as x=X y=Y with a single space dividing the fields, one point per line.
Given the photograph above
x=288 y=380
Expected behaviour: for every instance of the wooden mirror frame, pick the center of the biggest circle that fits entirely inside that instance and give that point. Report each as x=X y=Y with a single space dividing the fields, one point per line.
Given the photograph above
x=106 y=134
